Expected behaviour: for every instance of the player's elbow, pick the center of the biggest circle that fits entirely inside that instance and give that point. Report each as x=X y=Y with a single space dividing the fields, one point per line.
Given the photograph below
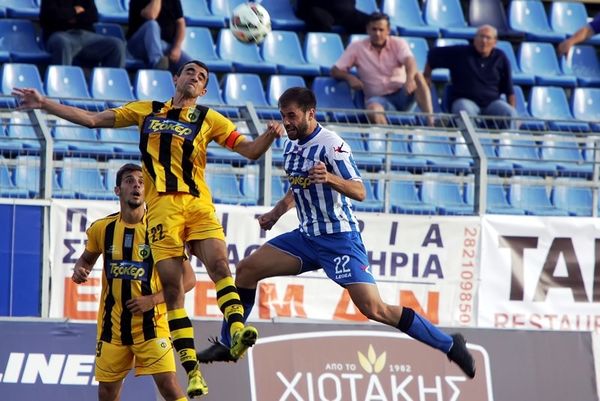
x=361 y=195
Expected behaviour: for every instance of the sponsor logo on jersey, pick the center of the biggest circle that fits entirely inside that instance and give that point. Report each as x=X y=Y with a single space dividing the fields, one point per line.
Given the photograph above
x=128 y=270
x=166 y=126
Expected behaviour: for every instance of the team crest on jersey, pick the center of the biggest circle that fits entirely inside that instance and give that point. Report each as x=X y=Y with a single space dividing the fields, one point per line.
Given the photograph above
x=160 y=125
x=193 y=115
x=143 y=250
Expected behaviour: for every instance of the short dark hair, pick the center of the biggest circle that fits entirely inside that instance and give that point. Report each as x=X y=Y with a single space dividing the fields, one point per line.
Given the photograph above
x=126 y=169
x=303 y=97
x=378 y=16
x=199 y=64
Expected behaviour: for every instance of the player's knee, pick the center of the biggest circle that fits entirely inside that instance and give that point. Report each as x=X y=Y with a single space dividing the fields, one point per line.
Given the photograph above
x=107 y=393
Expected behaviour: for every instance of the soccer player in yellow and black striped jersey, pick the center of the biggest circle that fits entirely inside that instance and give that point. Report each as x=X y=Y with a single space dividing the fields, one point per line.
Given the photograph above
x=132 y=318
x=173 y=140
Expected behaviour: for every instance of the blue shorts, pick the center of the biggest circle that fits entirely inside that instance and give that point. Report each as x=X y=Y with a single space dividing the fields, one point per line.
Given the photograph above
x=342 y=255
x=396 y=101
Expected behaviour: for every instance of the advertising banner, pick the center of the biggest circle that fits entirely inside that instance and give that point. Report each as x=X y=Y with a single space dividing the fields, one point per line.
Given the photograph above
x=540 y=273
x=427 y=263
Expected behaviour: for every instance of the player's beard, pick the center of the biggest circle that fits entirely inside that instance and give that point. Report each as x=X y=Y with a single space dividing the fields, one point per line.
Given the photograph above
x=133 y=204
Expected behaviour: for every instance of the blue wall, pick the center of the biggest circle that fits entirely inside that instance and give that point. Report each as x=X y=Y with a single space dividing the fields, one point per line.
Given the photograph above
x=20 y=260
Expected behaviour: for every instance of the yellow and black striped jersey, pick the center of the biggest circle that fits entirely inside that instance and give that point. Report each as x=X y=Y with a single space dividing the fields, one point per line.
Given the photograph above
x=173 y=142
x=128 y=272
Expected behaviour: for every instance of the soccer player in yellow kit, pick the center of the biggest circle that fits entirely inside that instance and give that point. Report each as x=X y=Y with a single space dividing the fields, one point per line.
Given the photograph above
x=173 y=140
x=132 y=318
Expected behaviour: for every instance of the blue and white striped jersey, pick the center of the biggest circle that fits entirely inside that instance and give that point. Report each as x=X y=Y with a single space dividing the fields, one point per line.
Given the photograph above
x=321 y=209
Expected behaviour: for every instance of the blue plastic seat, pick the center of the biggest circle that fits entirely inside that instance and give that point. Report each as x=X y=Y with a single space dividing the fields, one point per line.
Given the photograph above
x=540 y=60
x=419 y=48
x=494 y=164
x=111 y=85
x=111 y=11
x=21 y=42
x=224 y=8
x=550 y=103
x=241 y=88
x=496 y=201
x=583 y=63
x=28 y=9
x=491 y=12
x=8 y=189
x=446 y=196
x=245 y=57
x=372 y=202
x=530 y=17
x=404 y=197
x=82 y=177
x=449 y=17
x=277 y=84
x=283 y=16
x=585 y=104
x=116 y=30
x=407 y=18
x=214 y=99
x=437 y=151
x=533 y=198
x=283 y=49
x=402 y=156
x=250 y=187
x=199 y=45
x=196 y=13
x=27 y=177
x=529 y=124
x=567 y=17
x=323 y=49
x=360 y=154
x=225 y=188
x=70 y=138
x=16 y=75
x=367 y=6
x=20 y=131
x=524 y=155
x=154 y=84
x=576 y=200
x=67 y=83
x=567 y=156
x=336 y=94
x=443 y=74
x=123 y=141
x=518 y=76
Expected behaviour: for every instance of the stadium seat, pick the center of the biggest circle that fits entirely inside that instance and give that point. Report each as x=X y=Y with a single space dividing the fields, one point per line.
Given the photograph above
x=372 y=202
x=550 y=103
x=336 y=94
x=443 y=74
x=111 y=11
x=21 y=43
x=529 y=124
x=283 y=16
x=21 y=131
x=28 y=9
x=239 y=89
x=539 y=59
x=82 y=177
x=217 y=154
x=524 y=155
x=449 y=17
x=323 y=49
x=444 y=195
x=76 y=139
x=491 y=12
x=496 y=201
x=494 y=164
x=576 y=200
x=367 y=6
x=68 y=84
x=196 y=13
x=437 y=151
x=401 y=154
x=407 y=18
x=154 y=84
x=585 y=104
x=198 y=44
x=566 y=155
x=8 y=146
x=283 y=49
x=124 y=141
x=250 y=187
x=244 y=56
x=582 y=62
x=533 y=198
x=16 y=75
x=225 y=188
x=518 y=76
x=111 y=85
x=530 y=17
x=116 y=30
x=404 y=197
x=8 y=188
x=27 y=176
x=362 y=158
x=213 y=98
x=223 y=8
x=419 y=48
x=277 y=84
x=567 y=17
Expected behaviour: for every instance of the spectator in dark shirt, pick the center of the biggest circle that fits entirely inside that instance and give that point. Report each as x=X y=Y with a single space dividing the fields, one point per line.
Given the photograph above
x=321 y=16
x=583 y=34
x=156 y=33
x=480 y=73
x=68 y=32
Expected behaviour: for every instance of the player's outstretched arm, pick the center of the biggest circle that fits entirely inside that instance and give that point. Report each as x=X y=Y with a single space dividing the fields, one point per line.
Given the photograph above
x=255 y=149
x=83 y=266
x=268 y=220
x=29 y=98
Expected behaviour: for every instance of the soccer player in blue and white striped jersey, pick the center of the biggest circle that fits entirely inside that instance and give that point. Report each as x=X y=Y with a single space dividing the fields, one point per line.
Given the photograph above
x=323 y=179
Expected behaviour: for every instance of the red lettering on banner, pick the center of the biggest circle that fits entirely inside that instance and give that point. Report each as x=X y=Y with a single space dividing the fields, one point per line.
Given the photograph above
x=267 y=298
x=73 y=297
x=202 y=300
x=407 y=298
x=547 y=321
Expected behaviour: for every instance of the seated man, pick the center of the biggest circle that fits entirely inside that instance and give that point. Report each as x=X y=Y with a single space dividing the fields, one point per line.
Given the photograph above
x=387 y=72
x=480 y=73
x=68 y=32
